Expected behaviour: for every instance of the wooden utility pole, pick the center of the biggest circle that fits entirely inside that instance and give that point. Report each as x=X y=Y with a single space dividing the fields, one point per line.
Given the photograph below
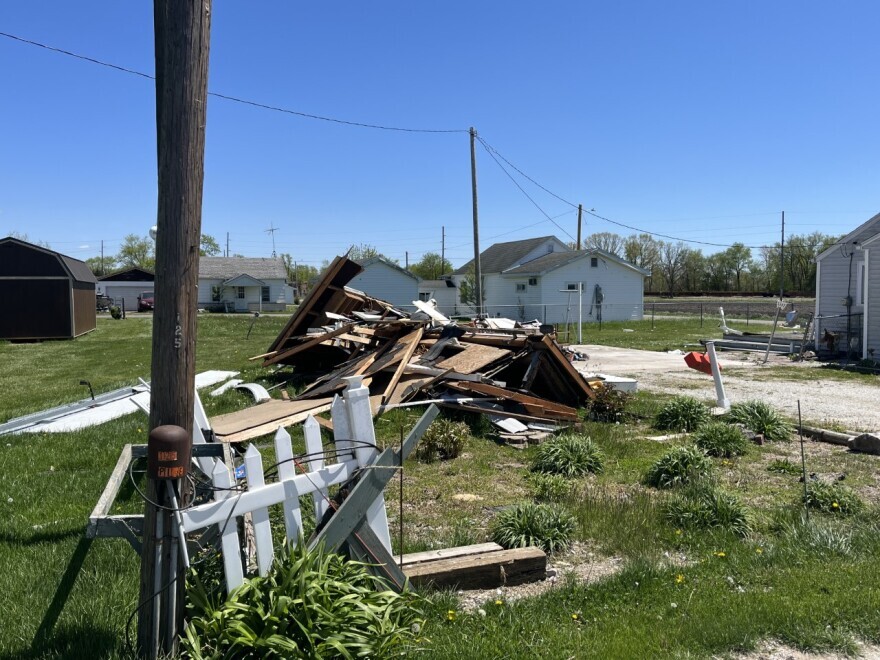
x=443 y=249
x=782 y=261
x=478 y=271
x=182 y=39
x=580 y=214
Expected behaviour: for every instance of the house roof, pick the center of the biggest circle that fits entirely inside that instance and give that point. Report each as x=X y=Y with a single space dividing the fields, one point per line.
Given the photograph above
x=133 y=274
x=382 y=260
x=243 y=280
x=224 y=268
x=79 y=270
x=437 y=284
x=859 y=235
x=555 y=260
x=501 y=256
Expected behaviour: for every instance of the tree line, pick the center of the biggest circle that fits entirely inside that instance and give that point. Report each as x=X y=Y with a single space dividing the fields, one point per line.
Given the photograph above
x=676 y=267
x=140 y=252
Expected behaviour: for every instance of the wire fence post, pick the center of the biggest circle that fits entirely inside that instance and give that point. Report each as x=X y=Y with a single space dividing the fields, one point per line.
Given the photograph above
x=653 y=305
x=701 y=315
x=747 y=313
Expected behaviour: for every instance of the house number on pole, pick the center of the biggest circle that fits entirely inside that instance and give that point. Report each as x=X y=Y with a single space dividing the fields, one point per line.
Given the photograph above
x=178 y=334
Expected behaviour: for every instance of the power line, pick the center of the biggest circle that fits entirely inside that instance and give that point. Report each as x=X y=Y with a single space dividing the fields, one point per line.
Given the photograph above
x=227 y=97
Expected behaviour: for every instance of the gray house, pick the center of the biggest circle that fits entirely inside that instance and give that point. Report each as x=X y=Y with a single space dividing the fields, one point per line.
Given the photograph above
x=387 y=281
x=244 y=284
x=848 y=294
x=542 y=278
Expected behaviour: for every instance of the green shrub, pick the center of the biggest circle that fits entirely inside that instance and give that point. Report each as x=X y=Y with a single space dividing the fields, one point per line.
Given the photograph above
x=568 y=455
x=609 y=405
x=445 y=439
x=311 y=604
x=546 y=526
x=678 y=467
x=832 y=498
x=759 y=417
x=784 y=467
x=683 y=413
x=550 y=487
x=115 y=312
x=721 y=440
x=706 y=507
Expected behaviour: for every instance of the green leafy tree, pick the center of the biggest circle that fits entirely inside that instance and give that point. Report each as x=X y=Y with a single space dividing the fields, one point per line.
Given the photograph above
x=101 y=267
x=431 y=266
x=137 y=251
x=364 y=251
x=738 y=257
x=607 y=241
x=209 y=246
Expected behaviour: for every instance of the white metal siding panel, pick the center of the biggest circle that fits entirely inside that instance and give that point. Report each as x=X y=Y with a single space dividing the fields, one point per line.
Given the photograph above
x=381 y=281
x=446 y=298
x=872 y=341
x=831 y=290
x=622 y=287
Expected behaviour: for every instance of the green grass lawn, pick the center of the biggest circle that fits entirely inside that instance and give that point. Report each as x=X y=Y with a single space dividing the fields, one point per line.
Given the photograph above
x=812 y=586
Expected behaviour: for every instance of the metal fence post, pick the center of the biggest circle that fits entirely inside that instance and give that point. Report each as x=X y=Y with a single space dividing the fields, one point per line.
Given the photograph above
x=701 y=315
x=747 y=313
x=653 y=305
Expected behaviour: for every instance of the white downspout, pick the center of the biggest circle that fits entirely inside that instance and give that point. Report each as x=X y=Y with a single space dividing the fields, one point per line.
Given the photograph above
x=818 y=313
x=866 y=280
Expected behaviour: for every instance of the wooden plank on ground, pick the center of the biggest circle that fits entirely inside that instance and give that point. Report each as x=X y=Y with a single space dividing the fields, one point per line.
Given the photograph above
x=475 y=407
x=265 y=418
x=414 y=558
x=483 y=571
x=519 y=397
x=473 y=358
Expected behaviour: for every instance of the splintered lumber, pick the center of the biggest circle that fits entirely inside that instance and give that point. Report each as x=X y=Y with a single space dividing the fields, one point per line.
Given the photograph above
x=265 y=418
x=485 y=570
x=310 y=343
x=574 y=377
x=532 y=404
x=473 y=358
x=410 y=342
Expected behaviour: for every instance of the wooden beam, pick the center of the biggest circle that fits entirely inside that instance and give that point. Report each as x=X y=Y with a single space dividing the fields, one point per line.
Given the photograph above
x=411 y=341
x=314 y=341
x=482 y=571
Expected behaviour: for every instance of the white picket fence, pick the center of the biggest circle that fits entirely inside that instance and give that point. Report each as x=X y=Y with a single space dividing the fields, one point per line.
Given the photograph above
x=355 y=448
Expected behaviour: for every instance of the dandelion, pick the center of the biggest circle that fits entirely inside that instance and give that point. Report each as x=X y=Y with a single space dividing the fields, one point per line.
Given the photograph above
x=835 y=505
x=450 y=615
x=760 y=551
x=575 y=616
x=678 y=532
x=679 y=578
x=720 y=554
x=499 y=602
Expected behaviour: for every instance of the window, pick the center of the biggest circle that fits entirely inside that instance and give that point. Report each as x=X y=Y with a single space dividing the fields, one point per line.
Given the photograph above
x=520 y=287
x=240 y=293
x=571 y=286
x=594 y=262
x=533 y=281
x=264 y=294
x=425 y=297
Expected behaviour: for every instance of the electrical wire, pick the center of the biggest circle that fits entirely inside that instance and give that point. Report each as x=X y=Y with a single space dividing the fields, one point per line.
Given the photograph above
x=235 y=99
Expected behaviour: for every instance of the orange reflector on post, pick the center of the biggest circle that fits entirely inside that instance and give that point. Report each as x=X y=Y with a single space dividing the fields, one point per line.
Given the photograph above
x=700 y=362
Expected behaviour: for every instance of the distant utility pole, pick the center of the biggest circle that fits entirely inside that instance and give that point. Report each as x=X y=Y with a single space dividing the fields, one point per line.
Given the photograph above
x=271 y=231
x=782 y=260
x=580 y=214
x=407 y=260
x=102 y=258
x=478 y=271
x=227 y=244
x=182 y=39
x=443 y=248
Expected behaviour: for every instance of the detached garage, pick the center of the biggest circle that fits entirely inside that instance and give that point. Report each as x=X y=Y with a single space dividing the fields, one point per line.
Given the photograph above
x=46 y=295
x=125 y=286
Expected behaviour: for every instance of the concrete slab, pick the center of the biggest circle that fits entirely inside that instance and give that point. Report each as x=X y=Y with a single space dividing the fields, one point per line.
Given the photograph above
x=631 y=362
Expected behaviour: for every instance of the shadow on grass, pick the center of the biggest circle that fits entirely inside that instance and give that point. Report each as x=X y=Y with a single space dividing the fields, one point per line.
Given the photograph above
x=72 y=642
x=39 y=537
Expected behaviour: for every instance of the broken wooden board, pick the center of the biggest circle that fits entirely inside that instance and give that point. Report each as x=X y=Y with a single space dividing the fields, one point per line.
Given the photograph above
x=531 y=404
x=266 y=418
x=486 y=570
x=409 y=342
x=474 y=357
x=311 y=342
x=414 y=558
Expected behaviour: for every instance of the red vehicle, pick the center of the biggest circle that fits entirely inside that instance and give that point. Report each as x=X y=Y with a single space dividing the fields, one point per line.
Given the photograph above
x=145 y=301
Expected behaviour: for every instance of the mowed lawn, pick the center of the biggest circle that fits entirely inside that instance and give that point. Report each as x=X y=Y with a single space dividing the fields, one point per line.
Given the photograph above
x=673 y=591
x=62 y=596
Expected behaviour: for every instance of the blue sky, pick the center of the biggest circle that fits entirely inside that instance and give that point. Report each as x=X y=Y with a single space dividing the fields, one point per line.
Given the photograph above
x=691 y=118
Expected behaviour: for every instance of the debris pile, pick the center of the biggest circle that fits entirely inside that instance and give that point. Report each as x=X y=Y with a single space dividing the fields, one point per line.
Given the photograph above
x=518 y=376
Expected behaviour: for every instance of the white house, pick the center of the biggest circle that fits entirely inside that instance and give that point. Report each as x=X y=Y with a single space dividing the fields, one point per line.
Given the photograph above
x=387 y=281
x=848 y=293
x=125 y=286
x=443 y=292
x=542 y=278
x=244 y=284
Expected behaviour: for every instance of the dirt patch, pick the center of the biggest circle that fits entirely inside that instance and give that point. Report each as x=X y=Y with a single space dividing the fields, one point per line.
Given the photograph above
x=776 y=651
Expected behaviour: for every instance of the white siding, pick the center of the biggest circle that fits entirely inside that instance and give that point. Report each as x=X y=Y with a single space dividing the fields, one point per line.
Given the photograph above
x=503 y=299
x=446 y=297
x=623 y=290
x=126 y=292
x=837 y=278
x=386 y=283
x=872 y=341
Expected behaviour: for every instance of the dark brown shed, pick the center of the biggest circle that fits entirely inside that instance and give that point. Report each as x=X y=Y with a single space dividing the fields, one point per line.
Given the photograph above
x=45 y=294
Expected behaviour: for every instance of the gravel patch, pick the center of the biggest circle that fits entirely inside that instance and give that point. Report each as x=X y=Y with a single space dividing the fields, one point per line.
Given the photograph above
x=772 y=650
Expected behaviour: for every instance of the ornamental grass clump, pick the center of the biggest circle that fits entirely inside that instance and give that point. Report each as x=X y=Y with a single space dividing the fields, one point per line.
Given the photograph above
x=445 y=439
x=759 y=417
x=832 y=498
x=706 y=507
x=545 y=526
x=550 y=487
x=310 y=605
x=721 y=440
x=683 y=413
x=569 y=456
x=678 y=467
